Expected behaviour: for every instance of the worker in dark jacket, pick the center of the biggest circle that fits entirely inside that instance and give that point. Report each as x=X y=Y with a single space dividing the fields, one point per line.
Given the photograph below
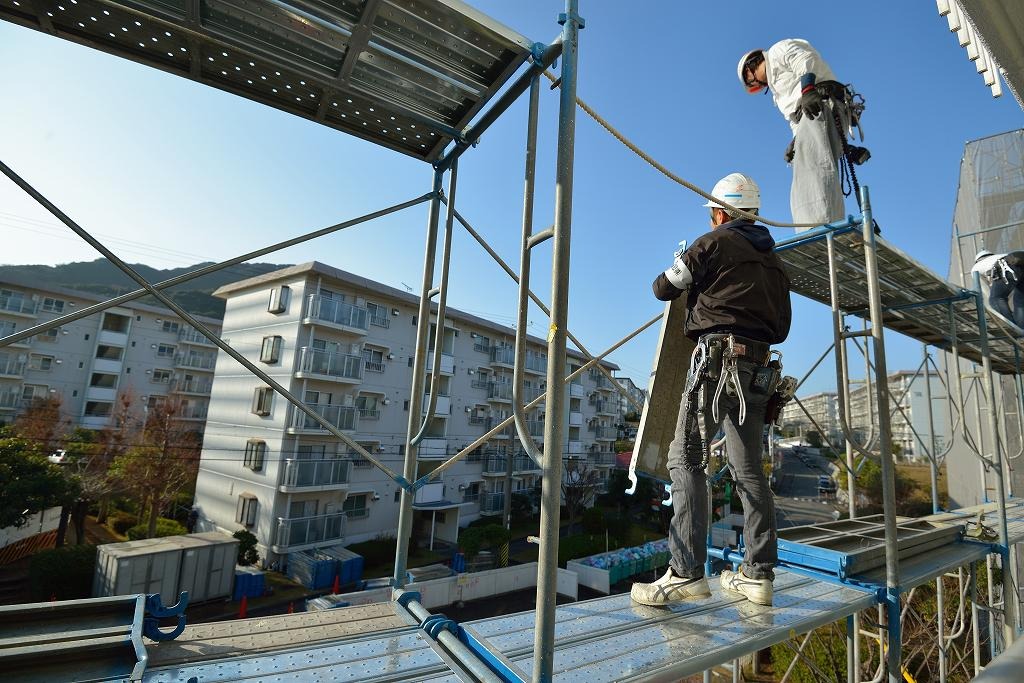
x=738 y=305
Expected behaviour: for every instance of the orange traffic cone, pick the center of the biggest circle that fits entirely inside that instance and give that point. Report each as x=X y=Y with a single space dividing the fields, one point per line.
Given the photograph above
x=243 y=608
x=336 y=588
x=291 y=608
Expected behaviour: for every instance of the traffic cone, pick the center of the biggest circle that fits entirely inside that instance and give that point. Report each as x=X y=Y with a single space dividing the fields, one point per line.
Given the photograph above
x=243 y=608
x=336 y=588
x=291 y=608
x=53 y=597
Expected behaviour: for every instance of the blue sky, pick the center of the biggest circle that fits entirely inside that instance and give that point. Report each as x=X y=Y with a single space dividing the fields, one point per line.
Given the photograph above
x=170 y=172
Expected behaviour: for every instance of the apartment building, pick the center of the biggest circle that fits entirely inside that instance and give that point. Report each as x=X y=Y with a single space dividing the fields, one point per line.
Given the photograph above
x=823 y=407
x=908 y=390
x=345 y=345
x=625 y=406
x=87 y=363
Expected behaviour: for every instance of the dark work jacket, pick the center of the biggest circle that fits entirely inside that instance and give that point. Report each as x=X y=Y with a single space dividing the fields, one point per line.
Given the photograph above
x=739 y=284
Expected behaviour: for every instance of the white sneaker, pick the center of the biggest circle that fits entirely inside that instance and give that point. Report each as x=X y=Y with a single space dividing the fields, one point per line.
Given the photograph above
x=669 y=589
x=758 y=591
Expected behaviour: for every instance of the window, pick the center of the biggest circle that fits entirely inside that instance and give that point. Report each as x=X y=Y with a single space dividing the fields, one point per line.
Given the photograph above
x=165 y=350
x=170 y=326
x=103 y=381
x=50 y=335
x=41 y=363
x=378 y=315
x=246 y=513
x=261 y=401
x=279 y=299
x=355 y=506
x=255 y=450
x=161 y=376
x=31 y=392
x=369 y=407
x=98 y=408
x=373 y=359
x=112 y=322
x=51 y=305
x=271 y=350
x=472 y=492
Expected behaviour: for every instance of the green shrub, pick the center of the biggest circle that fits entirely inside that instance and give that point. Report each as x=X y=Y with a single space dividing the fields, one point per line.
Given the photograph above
x=594 y=520
x=582 y=545
x=63 y=573
x=164 y=527
x=121 y=522
x=473 y=539
x=247 y=553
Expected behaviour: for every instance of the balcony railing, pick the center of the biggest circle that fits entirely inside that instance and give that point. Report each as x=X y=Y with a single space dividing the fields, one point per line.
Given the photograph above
x=369 y=414
x=200 y=361
x=605 y=433
x=191 y=386
x=11 y=365
x=481 y=347
x=602 y=458
x=499 y=391
x=468 y=497
x=535 y=427
x=380 y=321
x=302 y=473
x=337 y=312
x=331 y=364
x=480 y=383
x=192 y=336
x=535 y=363
x=17 y=303
x=495 y=464
x=524 y=463
x=493 y=422
x=192 y=413
x=342 y=417
x=477 y=419
x=505 y=355
x=374 y=365
x=493 y=503
x=9 y=400
x=301 y=531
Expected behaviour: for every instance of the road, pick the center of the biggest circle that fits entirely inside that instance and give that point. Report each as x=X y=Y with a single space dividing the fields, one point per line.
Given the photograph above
x=796 y=495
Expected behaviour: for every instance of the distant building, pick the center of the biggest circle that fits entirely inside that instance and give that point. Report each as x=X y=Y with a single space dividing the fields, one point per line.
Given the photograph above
x=909 y=422
x=345 y=345
x=639 y=395
x=823 y=408
x=87 y=363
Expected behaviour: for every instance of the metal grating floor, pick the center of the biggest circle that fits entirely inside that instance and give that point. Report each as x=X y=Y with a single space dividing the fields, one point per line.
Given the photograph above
x=917 y=301
x=405 y=74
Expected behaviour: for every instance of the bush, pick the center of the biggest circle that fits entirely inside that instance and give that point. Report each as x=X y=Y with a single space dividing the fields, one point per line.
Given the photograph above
x=164 y=527
x=121 y=522
x=63 y=573
x=474 y=539
x=582 y=545
x=247 y=553
x=594 y=520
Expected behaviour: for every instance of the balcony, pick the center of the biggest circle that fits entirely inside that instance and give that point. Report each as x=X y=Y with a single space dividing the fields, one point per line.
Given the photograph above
x=532 y=392
x=482 y=347
x=442 y=405
x=17 y=304
x=503 y=355
x=301 y=533
x=505 y=433
x=535 y=428
x=337 y=314
x=111 y=367
x=100 y=394
x=576 y=390
x=602 y=459
x=12 y=366
x=536 y=363
x=341 y=417
x=432 y=492
x=499 y=391
x=321 y=364
x=433 y=448
x=10 y=400
x=196 y=361
x=605 y=433
x=477 y=419
x=380 y=321
x=601 y=381
x=524 y=463
x=575 y=419
x=199 y=387
x=111 y=338
x=492 y=503
x=447 y=363
x=374 y=365
x=369 y=414
x=8 y=328
x=495 y=465
x=480 y=383
x=188 y=335
x=197 y=412
x=315 y=475
x=574 y=448
x=607 y=407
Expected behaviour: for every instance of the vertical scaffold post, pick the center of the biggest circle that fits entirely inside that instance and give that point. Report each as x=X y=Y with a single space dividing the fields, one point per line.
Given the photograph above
x=416 y=397
x=554 y=419
x=892 y=572
x=934 y=460
x=1009 y=595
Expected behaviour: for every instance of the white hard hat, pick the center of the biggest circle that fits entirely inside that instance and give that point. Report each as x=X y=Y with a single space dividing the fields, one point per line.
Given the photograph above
x=737 y=189
x=741 y=67
x=982 y=254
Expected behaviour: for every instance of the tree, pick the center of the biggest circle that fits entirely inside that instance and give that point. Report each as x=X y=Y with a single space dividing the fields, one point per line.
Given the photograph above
x=579 y=484
x=247 y=553
x=164 y=460
x=30 y=483
x=814 y=439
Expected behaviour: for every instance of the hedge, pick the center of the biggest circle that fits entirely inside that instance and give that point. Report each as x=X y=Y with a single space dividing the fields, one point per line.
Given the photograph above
x=164 y=527
x=63 y=573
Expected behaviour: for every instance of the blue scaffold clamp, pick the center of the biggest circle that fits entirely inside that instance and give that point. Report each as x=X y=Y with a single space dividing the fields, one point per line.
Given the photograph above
x=436 y=623
x=155 y=611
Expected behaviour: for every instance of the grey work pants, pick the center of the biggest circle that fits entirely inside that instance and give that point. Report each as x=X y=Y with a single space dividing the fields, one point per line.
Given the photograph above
x=816 y=195
x=687 y=538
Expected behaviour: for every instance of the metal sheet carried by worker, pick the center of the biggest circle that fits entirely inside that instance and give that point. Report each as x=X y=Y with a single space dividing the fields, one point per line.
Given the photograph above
x=664 y=394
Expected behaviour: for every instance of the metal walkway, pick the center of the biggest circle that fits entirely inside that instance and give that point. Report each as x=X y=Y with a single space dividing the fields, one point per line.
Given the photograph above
x=918 y=303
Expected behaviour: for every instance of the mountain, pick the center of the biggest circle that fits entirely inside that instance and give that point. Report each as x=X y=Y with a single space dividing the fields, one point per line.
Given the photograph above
x=102 y=278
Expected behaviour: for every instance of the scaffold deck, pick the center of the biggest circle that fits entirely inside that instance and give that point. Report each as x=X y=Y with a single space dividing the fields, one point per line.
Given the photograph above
x=918 y=302
x=405 y=74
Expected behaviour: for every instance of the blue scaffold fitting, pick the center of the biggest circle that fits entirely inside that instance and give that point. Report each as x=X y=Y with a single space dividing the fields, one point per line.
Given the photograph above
x=580 y=22
x=537 y=52
x=436 y=623
x=404 y=483
x=406 y=597
x=155 y=611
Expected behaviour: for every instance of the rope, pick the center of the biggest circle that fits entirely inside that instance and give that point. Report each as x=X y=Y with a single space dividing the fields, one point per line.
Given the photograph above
x=665 y=171
x=847 y=173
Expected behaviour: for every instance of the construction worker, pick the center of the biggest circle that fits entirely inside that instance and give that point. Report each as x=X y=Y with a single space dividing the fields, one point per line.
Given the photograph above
x=820 y=112
x=1004 y=274
x=737 y=296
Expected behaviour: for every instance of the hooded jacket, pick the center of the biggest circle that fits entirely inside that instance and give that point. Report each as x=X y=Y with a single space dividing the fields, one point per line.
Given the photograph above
x=739 y=284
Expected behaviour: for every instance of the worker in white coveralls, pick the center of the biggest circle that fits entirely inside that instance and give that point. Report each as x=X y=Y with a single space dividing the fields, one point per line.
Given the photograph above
x=737 y=299
x=1004 y=274
x=821 y=113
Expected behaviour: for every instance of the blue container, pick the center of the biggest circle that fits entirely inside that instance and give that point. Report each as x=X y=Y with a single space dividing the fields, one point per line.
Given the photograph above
x=349 y=565
x=249 y=582
x=312 y=568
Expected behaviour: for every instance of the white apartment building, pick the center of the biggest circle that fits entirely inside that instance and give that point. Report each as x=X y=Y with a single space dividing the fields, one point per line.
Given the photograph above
x=625 y=406
x=910 y=392
x=824 y=408
x=345 y=345
x=89 y=362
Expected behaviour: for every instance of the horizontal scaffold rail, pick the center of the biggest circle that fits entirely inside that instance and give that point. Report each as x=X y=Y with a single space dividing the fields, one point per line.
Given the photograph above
x=916 y=301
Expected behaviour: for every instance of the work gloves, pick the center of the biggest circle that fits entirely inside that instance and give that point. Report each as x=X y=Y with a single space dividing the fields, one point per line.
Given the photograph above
x=809 y=104
x=790 y=151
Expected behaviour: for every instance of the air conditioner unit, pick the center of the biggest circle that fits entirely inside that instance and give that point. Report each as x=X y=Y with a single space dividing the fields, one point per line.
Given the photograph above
x=385 y=402
x=394 y=311
x=391 y=356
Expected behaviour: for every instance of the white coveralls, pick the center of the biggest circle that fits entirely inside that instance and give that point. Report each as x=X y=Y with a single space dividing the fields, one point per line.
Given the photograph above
x=816 y=195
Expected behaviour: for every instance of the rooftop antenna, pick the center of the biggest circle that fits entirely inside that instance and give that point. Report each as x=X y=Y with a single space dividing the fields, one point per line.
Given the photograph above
x=407 y=287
